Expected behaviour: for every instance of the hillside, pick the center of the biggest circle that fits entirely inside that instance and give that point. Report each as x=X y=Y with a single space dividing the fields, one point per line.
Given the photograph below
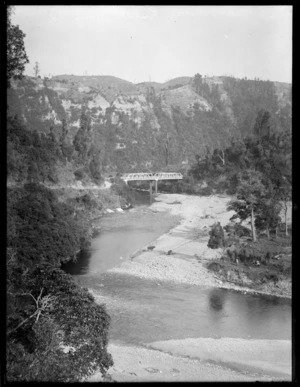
x=120 y=126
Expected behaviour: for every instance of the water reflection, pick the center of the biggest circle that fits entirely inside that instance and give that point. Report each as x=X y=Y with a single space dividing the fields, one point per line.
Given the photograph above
x=179 y=311
x=80 y=265
x=216 y=299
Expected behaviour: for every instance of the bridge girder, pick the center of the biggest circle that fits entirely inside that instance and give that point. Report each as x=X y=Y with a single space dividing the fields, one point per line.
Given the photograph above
x=152 y=176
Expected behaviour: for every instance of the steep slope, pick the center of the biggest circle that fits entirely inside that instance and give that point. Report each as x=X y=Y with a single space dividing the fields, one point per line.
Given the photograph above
x=123 y=126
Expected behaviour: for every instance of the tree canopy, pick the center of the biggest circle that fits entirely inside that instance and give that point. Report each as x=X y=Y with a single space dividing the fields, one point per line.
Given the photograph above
x=16 y=53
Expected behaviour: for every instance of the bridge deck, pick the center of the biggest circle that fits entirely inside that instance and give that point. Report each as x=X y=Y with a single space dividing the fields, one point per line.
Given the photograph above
x=151 y=176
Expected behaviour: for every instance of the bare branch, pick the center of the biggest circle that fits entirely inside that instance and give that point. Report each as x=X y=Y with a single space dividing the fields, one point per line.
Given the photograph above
x=45 y=303
x=23 y=322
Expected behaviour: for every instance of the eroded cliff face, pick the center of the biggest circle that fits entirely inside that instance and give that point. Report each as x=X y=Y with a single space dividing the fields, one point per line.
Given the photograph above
x=135 y=124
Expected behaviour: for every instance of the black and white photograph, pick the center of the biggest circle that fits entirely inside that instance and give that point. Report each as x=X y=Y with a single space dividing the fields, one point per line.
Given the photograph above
x=148 y=193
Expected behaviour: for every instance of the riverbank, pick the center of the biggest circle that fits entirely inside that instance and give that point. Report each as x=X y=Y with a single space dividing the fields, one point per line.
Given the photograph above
x=201 y=359
x=181 y=255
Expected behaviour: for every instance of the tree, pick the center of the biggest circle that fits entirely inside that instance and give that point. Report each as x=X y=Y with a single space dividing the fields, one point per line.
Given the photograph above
x=217 y=238
x=262 y=126
x=16 y=54
x=285 y=196
x=55 y=330
x=36 y=69
x=250 y=192
x=82 y=138
x=197 y=83
x=268 y=215
x=33 y=173
x=94 y=167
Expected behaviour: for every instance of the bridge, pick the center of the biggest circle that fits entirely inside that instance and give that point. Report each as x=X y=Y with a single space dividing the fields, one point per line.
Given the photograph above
x=152 y=177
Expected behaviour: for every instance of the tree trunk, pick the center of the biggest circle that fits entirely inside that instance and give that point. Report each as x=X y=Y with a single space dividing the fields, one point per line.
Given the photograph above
x=268 y=232
x=253 y=226
x=285 y=219
x=276 y=232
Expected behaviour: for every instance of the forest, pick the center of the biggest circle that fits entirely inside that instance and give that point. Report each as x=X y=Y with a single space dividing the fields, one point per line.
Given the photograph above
x=54 y=329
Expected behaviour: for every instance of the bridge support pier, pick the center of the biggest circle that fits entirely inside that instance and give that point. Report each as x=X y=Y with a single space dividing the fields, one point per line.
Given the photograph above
x=156 y=184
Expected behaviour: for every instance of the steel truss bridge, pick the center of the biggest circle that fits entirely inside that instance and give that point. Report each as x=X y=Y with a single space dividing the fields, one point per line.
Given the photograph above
x=152 y=177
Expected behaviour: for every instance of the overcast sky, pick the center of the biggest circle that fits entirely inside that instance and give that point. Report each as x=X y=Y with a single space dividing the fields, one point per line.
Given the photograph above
x=138 y=43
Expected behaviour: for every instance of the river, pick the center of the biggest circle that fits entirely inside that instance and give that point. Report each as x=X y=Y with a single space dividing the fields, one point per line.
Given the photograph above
x=144 y=310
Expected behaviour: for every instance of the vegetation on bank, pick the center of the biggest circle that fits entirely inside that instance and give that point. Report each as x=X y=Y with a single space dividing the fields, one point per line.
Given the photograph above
x=258 y=173
x=54 y=329
x=46 y=311
x=263 y=265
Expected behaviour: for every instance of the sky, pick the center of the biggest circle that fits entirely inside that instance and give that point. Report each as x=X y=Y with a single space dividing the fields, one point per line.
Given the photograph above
x=158 y=43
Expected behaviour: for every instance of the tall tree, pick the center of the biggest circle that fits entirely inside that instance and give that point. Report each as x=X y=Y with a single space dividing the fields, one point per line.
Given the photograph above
x=36 y=69
x=262 y=126
x=197 y=83
x=82 y=139
x=250 y=192
x=15 y=49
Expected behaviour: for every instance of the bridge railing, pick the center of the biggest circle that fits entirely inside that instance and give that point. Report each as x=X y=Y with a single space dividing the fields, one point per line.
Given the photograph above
x=152 y=176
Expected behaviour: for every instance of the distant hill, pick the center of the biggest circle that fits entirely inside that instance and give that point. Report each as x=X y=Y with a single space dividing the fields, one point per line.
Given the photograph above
x=132 y=125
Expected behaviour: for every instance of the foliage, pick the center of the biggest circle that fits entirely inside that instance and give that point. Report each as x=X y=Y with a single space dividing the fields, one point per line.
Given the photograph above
x=46 y=230
x=216 y=238
x=250 y=193
x=262 y=126
x=82 y=139
x=38 y=151
x=47 y=313
x=16 y=54
x=79 y=174
x=120 y=188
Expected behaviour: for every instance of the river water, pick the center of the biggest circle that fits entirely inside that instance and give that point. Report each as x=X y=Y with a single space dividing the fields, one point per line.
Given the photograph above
x=145 y=310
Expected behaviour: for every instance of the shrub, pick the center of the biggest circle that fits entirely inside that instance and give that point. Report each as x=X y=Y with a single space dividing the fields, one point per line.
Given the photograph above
x=207 y=191
x=79 y=174
x=214 y=266
x=217 y=238
x=235 y=229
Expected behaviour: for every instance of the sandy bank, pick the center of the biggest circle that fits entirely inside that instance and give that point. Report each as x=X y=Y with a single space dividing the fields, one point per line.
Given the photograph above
x=201 y=359
x=187 y=242
x=268 y=357
x=181 y=254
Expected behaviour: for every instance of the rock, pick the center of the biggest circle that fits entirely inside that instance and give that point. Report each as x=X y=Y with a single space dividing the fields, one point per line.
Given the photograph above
x=151 y=247
x=152 y=370
x=119 y=210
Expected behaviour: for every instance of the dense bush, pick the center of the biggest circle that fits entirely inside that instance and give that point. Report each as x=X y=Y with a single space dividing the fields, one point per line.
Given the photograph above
x=120 y=188
x=44 y=227
x=237 y=230
x=46 y=310
x=47 y=313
